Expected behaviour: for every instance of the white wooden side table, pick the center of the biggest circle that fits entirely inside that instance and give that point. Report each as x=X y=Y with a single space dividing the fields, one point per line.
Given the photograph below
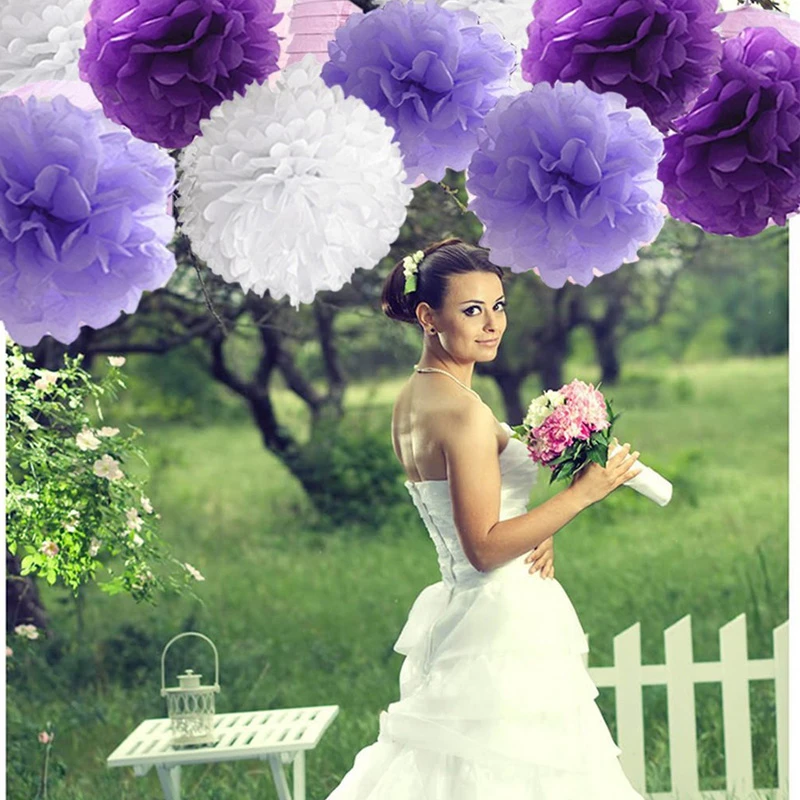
x=280 y=736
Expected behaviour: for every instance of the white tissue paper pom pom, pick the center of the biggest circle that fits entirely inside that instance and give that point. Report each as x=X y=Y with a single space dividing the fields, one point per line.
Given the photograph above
x=40 y=40
x=511 y=18
x=292 y=187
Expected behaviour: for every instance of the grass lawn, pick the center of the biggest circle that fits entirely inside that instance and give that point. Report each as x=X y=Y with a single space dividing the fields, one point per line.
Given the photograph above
x=306 y=617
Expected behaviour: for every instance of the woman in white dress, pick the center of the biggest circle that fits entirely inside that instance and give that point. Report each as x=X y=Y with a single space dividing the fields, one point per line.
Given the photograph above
x=495 y=701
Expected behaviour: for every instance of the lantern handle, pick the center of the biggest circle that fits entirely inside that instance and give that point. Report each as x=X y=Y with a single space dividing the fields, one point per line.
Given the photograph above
x=175 y=638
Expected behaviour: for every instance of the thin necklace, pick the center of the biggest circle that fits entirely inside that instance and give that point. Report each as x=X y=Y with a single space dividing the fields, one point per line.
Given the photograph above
x=445 y=372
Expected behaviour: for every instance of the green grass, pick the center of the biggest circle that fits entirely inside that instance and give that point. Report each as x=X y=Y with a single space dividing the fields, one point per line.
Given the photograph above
x=305 y=617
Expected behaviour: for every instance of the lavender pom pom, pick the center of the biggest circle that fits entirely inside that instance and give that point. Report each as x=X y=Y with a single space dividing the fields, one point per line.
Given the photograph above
x=734 y=163
x=564 y=180
x=160 y=66
x=659 y=54
x=83 y=219
x=432 y=74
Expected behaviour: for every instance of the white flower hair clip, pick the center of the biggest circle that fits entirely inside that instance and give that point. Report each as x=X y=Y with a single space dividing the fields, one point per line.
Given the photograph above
x=410 y=270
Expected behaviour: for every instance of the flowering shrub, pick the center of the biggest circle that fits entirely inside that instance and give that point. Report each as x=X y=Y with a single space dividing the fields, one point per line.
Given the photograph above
x=73 y=504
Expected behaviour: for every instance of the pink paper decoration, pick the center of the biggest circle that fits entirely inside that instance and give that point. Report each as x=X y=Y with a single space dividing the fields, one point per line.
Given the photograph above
x=312 y=25
x=78 y=93
x=282 y=29
x=737 y=20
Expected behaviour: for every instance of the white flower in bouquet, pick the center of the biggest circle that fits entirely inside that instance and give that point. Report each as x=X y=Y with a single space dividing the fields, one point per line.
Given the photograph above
x=541 y=407
x=554 y=398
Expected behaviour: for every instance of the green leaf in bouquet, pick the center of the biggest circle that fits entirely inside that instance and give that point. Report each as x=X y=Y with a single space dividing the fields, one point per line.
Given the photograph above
x=564 y=470
x=558 y=460
x=519 y=432
x=598 y=456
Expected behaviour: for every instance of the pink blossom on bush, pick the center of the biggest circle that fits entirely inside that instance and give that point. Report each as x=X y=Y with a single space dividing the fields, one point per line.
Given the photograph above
x=49 y=548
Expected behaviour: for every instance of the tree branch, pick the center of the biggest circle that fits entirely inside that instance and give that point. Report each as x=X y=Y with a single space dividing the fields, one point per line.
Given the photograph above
x=220 y=370
x=325 y=315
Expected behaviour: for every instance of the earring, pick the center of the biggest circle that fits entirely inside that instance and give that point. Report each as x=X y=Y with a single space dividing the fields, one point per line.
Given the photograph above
x=433 y=330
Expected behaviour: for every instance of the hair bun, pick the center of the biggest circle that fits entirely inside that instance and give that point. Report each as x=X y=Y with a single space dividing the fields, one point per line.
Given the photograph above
x=432 y=277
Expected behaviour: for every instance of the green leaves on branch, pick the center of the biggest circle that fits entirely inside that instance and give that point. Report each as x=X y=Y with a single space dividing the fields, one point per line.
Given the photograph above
x=75 y=499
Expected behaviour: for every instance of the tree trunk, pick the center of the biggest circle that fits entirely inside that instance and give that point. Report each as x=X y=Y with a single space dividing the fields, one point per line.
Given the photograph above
x=550 y=375
x=552 y=354
x=23 y=604
x=510 y=384
x=606 y=349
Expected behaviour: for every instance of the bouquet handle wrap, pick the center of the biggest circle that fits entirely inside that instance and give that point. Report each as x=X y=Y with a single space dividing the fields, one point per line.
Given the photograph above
x=648 y=482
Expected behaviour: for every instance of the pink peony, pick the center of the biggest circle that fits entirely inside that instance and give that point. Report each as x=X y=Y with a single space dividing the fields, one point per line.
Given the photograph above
x=587 y=404
x=554 y=435
x=583 y=413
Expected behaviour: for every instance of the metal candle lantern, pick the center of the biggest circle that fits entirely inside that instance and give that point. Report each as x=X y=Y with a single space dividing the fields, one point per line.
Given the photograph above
x=190 y=706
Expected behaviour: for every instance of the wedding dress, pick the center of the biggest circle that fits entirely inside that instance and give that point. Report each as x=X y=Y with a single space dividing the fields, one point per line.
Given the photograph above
x=495 y=700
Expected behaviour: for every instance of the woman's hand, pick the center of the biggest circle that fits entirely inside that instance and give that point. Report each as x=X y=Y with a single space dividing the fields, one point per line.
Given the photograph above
x=542 y=557
x=593 y=482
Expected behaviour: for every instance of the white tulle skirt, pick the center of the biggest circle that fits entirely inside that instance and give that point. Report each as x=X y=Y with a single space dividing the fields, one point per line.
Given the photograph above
x=495 y=703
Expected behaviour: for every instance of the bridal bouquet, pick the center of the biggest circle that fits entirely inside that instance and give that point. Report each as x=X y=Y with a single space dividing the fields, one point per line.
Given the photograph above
x=567 y=429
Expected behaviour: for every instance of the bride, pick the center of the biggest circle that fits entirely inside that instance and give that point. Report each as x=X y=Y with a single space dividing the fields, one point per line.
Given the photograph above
x=495 y=700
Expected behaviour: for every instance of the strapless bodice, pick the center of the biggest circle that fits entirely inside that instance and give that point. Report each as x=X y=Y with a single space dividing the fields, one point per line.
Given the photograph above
x=518 y=474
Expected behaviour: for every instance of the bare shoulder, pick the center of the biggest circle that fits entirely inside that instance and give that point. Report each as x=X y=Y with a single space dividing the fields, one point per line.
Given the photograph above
x=464 y=422
x=428 y=421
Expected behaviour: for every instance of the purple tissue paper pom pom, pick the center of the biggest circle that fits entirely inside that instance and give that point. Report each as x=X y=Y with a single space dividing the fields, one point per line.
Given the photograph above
x=659 y=54
x=564 y=180
x=160 y=66
x=433 y=74
x=83 y=219
x=734 y=163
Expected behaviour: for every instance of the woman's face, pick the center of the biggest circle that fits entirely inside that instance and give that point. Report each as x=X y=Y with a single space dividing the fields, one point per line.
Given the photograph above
x=472 y=320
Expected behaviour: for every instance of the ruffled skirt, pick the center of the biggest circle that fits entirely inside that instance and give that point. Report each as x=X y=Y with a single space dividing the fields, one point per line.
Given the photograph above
x=495 y=703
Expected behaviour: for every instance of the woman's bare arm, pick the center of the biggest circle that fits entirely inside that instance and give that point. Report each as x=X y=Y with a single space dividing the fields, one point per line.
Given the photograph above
x=473 y=471
x=512 y=537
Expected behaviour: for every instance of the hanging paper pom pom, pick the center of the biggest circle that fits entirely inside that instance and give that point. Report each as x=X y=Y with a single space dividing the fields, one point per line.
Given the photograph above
x=313 y=24
x=83 y=228
x=736 y=20
x=564 y=180
x=659 y=54
x=292 y=187
x=77 y=92
x=39 y=40
x=160 y=66
x=432 y=74
x=734 y=163
x=510 y=17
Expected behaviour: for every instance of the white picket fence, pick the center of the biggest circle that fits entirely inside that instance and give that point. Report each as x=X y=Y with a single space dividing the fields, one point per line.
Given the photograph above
x=680 y=673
